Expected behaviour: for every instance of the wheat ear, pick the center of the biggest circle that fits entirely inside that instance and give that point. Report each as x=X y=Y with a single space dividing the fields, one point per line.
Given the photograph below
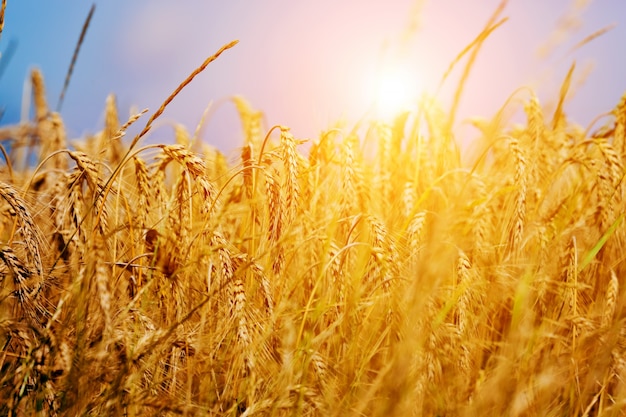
x=32 y=238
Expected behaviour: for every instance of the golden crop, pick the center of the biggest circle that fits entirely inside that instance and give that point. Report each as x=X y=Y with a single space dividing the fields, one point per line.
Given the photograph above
x=167 y=280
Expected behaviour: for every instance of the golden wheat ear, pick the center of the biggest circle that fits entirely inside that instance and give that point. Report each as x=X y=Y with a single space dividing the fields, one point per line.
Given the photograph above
x=25 y=224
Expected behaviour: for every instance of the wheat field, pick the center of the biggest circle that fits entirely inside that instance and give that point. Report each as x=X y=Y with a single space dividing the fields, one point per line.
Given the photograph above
x=372 y=271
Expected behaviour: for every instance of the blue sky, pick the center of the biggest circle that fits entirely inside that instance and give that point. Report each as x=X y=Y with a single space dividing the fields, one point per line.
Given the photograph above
x=305 y=64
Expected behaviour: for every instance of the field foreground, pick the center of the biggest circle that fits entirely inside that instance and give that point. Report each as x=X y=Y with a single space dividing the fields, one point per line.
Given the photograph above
x=165 y=280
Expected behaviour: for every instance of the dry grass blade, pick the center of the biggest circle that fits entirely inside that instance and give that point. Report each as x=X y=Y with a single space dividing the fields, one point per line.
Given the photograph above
x=474 y=46
x=592 y=37
x=566 y=25
x=470 y=62
x=178 y=89
x=70 y=70
x=465 y=50
x=6 y=57
x=558 y=113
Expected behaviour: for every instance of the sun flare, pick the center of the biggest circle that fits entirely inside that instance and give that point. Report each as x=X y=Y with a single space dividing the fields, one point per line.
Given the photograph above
x=396 y=91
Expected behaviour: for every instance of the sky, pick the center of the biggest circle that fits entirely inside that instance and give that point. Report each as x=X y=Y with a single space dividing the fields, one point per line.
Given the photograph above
x=305 y=64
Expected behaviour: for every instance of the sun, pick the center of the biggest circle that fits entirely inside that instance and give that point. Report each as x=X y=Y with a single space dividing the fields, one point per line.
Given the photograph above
x=396 y=91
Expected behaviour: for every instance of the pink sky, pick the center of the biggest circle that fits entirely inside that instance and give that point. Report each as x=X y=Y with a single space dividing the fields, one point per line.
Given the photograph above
x=305 y=64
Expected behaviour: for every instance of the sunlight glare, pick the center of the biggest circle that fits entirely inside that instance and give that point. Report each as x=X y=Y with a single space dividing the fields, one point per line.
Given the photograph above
x=396 y=92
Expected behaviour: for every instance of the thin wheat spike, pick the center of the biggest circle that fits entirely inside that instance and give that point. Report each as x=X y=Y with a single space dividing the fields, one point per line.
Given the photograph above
x=180 y=217
x=208 y=194
x=246 y=161
x=178 y=89
x=75 y=206
x=110 y=143
x=111 y=120
x=213 y=161
x=609 y=172
x=475 y=48
x=157 y=179
x=414 y=232
x=481 y=218
x=144 y=191
x=92 y=175
x=238 y=306
x=558 y=118
x=537 y=131
x=276 y=219
x=226 y=262
x=408 y=199
x=463 y=279
x=274 y=208
x=259 y=275
x=70 y=70
x=102 y=272
x=86 y=165
x=181 y=135
x=593 y=36
x=519 y=216
x=319 y=366
x=291 y=186
x=335 y=271
x=610 y=301
x=384 y=252
x=51 y=132
x=613 y=161
x=384 y=163
x=39 y=95
x=350 y=195
x=250 y=120
x=572 y=278
x=278 y=260
x=144 y=198
x=58 y=142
